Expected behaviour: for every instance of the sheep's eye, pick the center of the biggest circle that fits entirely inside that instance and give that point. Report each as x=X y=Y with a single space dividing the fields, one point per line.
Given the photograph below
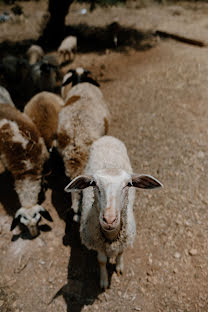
x=129 y=184
x=24 y=217
x=35 y=215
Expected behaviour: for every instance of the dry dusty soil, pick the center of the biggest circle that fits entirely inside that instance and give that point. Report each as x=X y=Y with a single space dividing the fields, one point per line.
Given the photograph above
x=158 y=99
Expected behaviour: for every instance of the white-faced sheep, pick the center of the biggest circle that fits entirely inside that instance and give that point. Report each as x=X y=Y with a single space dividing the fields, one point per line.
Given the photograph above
x=67 y=49
x=34 y=54
x=83 y=119
x=107 y=219
x=43 y=109
x=23 y=153
x=5 y=97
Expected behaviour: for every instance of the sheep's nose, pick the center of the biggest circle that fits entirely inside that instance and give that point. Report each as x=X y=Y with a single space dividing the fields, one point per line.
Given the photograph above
x=34 y=231
x=109 y=219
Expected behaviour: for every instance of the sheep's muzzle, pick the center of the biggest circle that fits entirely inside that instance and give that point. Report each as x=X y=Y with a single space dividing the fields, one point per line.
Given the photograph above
x=110 y=232
x=33 y=230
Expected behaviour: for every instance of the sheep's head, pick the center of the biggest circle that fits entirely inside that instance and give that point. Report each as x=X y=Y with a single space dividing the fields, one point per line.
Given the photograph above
x=30 y=217
x=78 y=75
x=111 y=188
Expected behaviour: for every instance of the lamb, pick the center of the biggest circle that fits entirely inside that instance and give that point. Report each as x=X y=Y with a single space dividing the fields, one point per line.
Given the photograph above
x=23 y=153
x=5 y=97
x=67 y=49
x=34 y=53
x=43 y=109
x=107 y=221
x=83 y=119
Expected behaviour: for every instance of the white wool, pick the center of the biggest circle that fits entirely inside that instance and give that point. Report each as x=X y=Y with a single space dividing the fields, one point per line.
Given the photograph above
x=68 y=43
x=17 y=136
x=34 y=53
x=28 y=191
x=28 y=164
x=67 y=49
x=86 y=91
x=80 y=70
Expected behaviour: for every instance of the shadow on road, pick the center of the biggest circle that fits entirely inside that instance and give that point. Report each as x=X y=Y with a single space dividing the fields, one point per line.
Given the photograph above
x=82 y=287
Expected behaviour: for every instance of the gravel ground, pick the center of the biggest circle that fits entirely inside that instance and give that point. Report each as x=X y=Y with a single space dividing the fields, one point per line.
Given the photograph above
x=158 y=102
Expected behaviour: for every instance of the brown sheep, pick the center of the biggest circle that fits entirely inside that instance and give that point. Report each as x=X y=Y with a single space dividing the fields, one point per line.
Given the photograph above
x=43 y=109
x=23 y=153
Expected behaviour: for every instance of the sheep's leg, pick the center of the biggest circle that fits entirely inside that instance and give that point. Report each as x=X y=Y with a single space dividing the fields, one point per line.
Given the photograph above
x=102 y=259
x=119 y=264
x=75 y=205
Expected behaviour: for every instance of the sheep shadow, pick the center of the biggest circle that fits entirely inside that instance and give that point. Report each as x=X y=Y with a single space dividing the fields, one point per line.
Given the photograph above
x=57 y=181
x=82 y=287
x=8 y=195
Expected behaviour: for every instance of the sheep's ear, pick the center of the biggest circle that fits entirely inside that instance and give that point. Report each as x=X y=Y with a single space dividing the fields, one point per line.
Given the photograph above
x=68 y=81
x=15 y=222
x=92 y=81
x=45 y=214
x=80 y=183
x=145 y=181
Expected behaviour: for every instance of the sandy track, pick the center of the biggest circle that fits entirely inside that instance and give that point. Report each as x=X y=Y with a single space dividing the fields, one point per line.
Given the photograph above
x=158 y=101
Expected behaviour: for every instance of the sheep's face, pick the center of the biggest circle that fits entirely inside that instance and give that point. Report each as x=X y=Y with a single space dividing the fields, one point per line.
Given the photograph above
x=30 y=217
x=111 y=190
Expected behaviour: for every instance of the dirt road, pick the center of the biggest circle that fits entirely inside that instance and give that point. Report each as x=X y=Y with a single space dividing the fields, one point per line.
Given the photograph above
x=159 y=105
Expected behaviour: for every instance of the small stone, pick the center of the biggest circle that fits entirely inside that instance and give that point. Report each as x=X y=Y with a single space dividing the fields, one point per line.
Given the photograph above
x=177 y=255
x=1 y=303
x=150 y=259
x=137 y=309
x=193 y=252
x=201 y=154
x=187 y=223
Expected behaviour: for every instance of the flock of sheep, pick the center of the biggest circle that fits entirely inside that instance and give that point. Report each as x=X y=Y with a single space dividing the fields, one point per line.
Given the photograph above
x=75 y=123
